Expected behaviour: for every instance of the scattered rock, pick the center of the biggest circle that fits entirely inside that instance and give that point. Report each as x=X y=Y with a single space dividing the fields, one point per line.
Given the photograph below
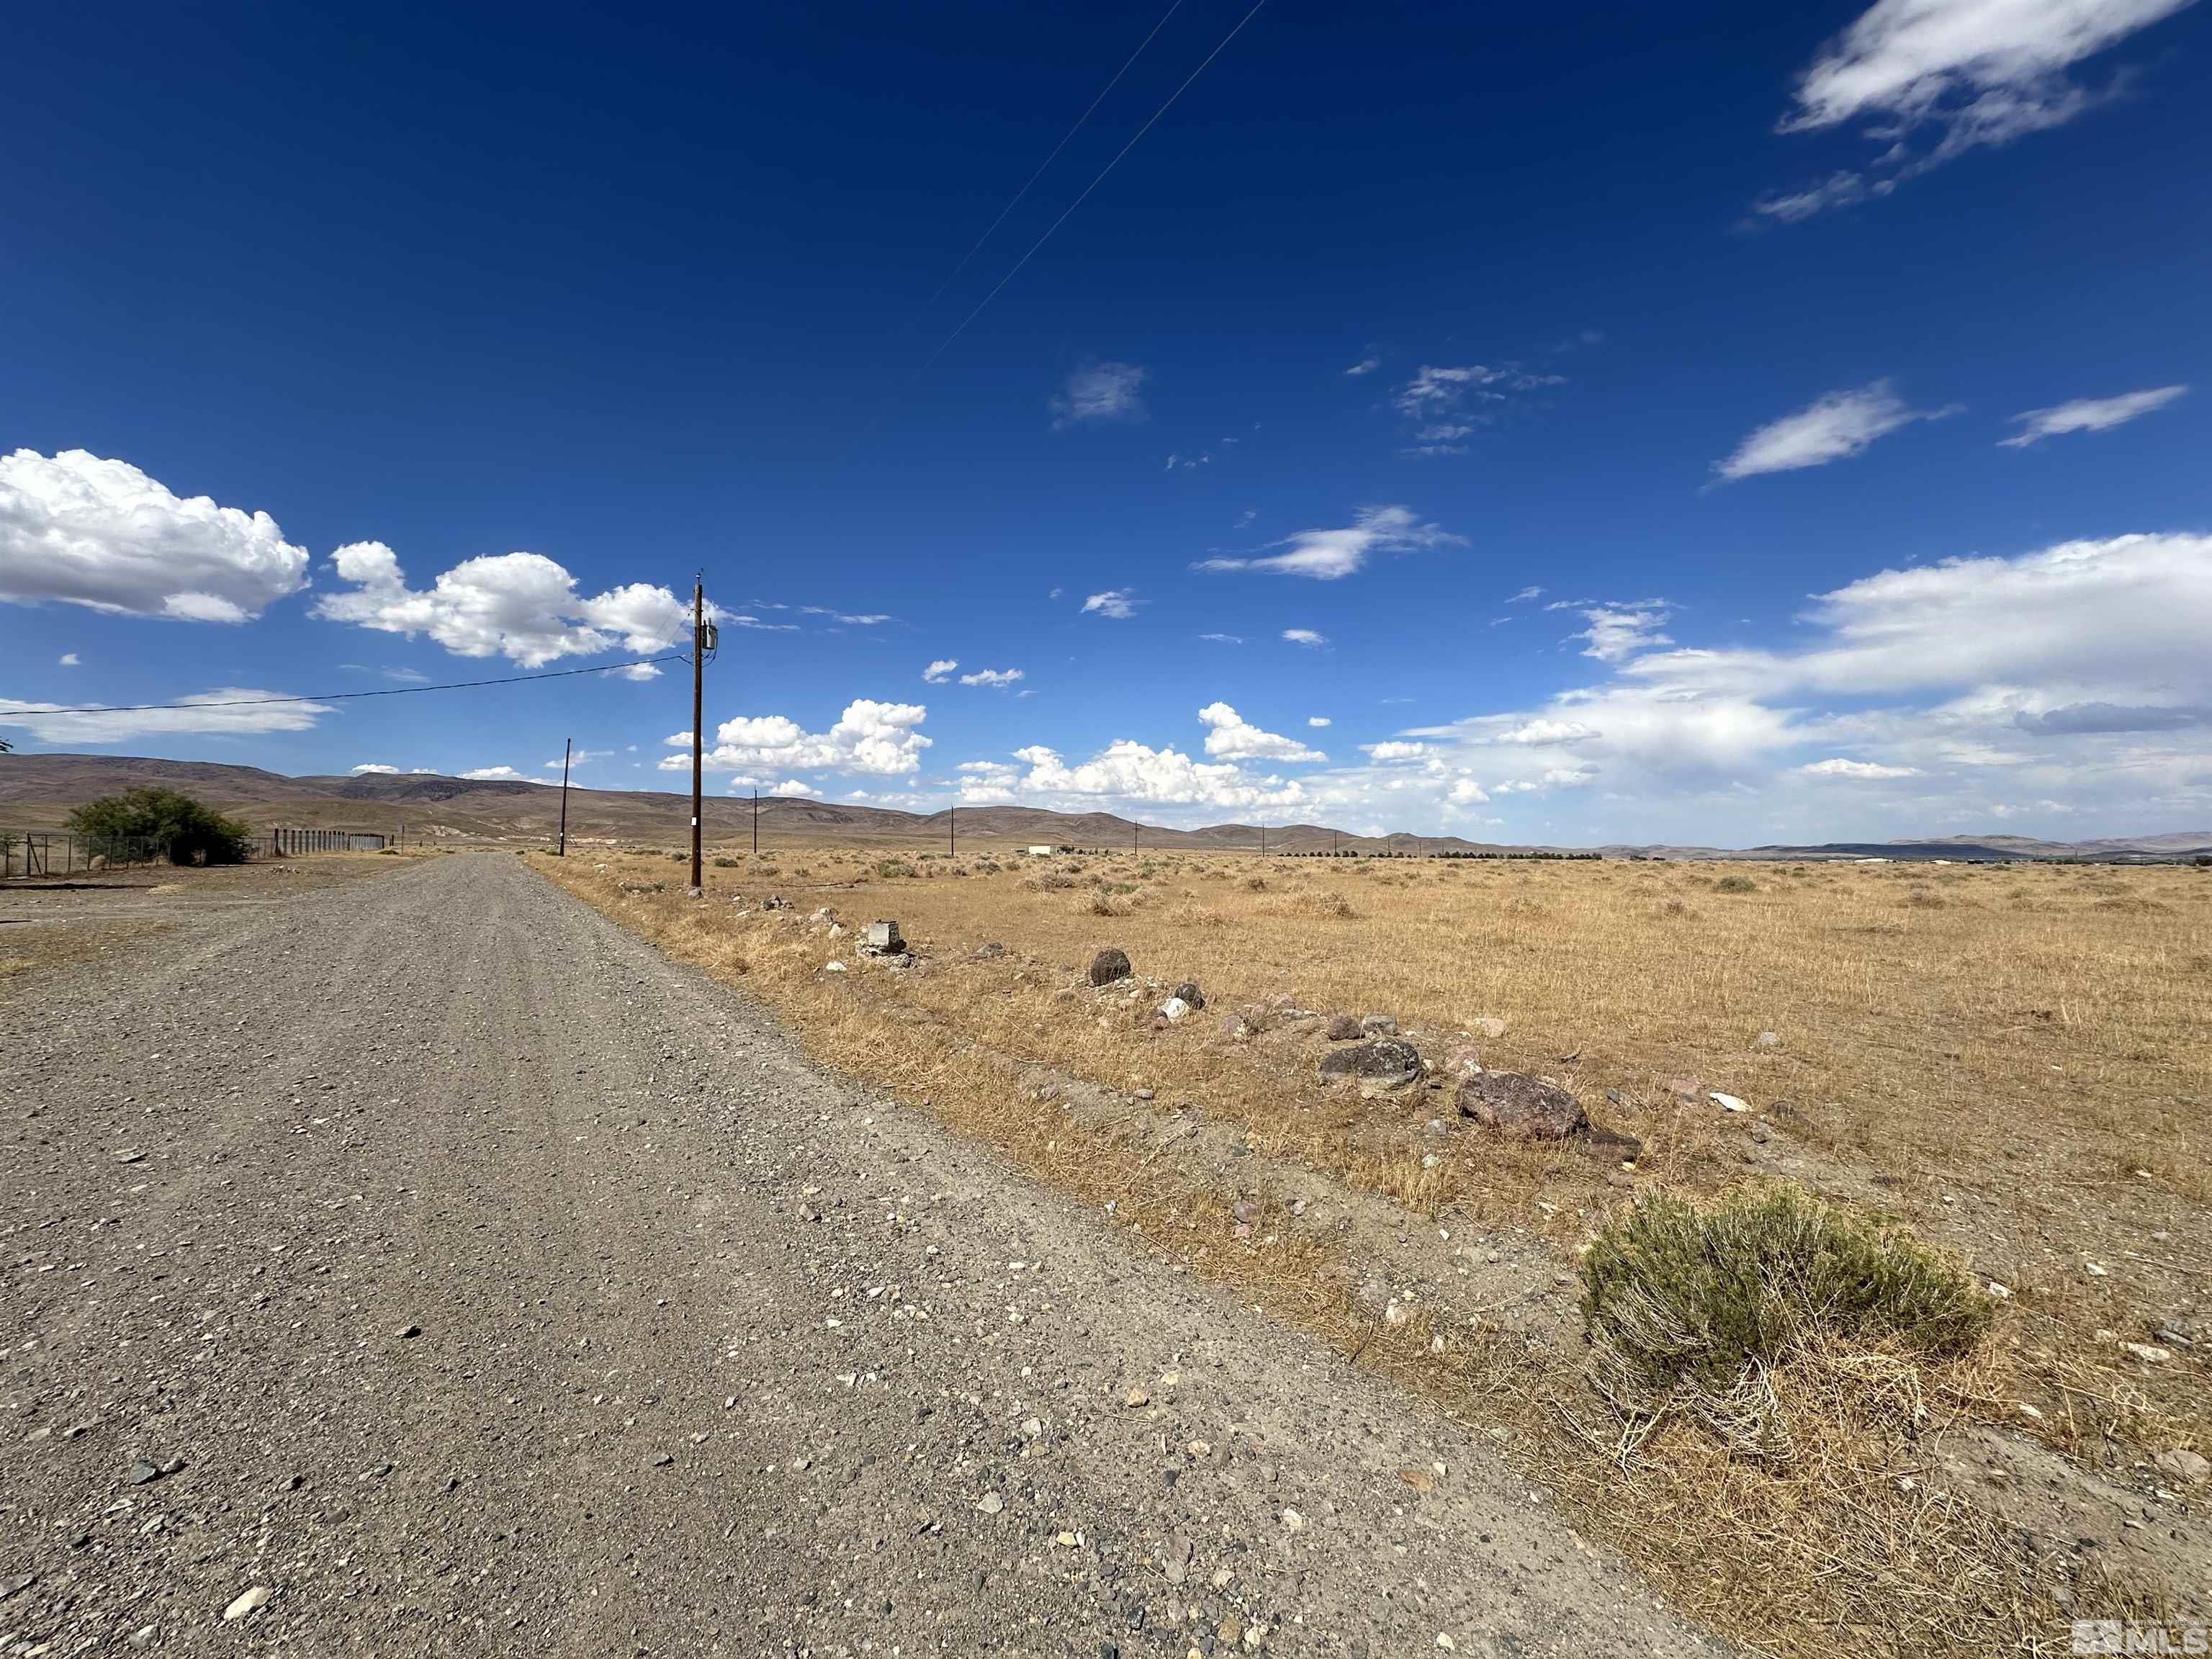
x=1727 y=1102
x=1490 y=1027
x=989 y=951
x=2150 y=1352
x=1462 y=1060
x=407 y=1331
x=1388 y=1062
x=1135 y=1398
x=128 y=1157
x=1189 y=992
x=882 y=939
x=1175 y=1561
x=1522 y=1105
x=252 y=1601
x=1685 y=1088
x=990 y=1502
x=1766 y=1040
x=1378 y=1025
x=833 y=967
x=1174 y=1009
x=142 y=1474
x=2184 y=1465
x=1343 y=1028
x=775 y=901
x=1108 y=966
x=2000 y=1292
x=1293 y=1521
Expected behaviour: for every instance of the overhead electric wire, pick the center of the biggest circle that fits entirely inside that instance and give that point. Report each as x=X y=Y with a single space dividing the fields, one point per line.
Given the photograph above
x=345 y=697
x=1093 y=185
x=1048 y=162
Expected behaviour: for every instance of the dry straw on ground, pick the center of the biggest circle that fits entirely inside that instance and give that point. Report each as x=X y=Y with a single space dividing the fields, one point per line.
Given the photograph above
x=2012 y=1061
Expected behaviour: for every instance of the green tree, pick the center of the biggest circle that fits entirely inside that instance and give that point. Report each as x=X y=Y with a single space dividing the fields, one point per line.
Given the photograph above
x=177 y=826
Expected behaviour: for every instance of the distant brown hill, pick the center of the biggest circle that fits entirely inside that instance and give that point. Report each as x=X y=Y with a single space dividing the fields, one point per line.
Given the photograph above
x=38 y=791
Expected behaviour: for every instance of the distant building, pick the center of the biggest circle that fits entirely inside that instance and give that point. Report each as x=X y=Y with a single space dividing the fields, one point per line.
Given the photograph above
x=1041 y=852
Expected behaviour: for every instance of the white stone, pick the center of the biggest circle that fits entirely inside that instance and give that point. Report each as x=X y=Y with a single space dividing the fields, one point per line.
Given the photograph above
x=251 y=1601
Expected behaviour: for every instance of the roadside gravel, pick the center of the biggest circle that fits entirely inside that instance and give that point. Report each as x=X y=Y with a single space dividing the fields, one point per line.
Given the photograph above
x=424 y=1265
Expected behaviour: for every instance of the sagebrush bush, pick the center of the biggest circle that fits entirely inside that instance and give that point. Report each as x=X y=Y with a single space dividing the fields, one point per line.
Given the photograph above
x=1736 y=885
x=1693 y=1307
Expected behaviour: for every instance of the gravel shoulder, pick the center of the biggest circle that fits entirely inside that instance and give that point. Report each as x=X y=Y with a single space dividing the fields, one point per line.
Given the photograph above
x=434 y=1256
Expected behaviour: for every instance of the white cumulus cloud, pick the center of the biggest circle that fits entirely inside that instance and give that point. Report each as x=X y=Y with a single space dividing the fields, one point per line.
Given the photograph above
x=939 y=669
x=1316 y=719
x=523 y=606
x=1306 y=636
x=1229 y=735
x=82 y=530
x=868 y=736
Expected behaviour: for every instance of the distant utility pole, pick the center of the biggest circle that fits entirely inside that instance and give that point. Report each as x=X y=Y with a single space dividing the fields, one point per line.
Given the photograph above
x=952 y=828
x=1332 y=843
x=1263 y=837
x=756 y=824
x=567 y=744
x=698 y=707
x=1132 y=835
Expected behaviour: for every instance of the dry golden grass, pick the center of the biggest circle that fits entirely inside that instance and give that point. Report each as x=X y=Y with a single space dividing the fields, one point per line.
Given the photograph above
x=2014 y=1060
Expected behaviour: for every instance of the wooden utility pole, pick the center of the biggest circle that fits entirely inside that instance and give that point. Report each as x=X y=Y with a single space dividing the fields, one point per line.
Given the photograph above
x=756 y=824
x=567 y=745
x=698 y=709
x=953 y=829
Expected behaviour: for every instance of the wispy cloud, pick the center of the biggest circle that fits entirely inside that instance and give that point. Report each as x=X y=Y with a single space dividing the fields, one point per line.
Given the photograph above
x=1617 y=632
x=1366 y=365
x=1830 y=428
x=1328 y=554
x=939 y=671
x=226 y=711
x=1223 y=639
x=2087 y=415
x=1100 y=393
x=1970 y=73
x=1526 y=594
x=999 y=677
x=1119 y=602
x=1307 y=638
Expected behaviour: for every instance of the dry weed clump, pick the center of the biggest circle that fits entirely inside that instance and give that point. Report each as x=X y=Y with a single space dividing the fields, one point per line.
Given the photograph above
x=1699 y=1308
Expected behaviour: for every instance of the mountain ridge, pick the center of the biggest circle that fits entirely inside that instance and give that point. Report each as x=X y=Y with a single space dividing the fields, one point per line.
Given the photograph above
x=38 y=791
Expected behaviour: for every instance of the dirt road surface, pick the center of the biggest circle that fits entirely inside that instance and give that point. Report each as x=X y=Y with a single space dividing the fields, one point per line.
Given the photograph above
x=421 y=1264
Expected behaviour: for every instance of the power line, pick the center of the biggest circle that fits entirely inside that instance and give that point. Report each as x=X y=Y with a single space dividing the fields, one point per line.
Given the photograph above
x=1093 y=185
x=1048 y=162
x=346 y=696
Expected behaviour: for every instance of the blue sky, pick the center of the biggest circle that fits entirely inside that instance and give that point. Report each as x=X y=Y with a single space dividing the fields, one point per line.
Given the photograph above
x=1731 y=424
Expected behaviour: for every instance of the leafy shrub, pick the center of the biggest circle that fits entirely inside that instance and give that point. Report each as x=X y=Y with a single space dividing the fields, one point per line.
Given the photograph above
x=892 y=869
x=179 y=827
x=1736 y=885
x=1693 y=1307
x=722 y=862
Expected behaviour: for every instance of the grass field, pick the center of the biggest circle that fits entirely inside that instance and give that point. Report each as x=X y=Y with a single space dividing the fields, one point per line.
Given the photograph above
x=2013 y=1061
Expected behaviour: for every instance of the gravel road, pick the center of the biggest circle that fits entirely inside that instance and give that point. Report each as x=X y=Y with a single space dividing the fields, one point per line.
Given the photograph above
x=422 y=1264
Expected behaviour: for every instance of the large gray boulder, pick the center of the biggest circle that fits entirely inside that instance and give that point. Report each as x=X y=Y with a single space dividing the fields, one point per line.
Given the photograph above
x=1526 y=1106
x=1383 y=1062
